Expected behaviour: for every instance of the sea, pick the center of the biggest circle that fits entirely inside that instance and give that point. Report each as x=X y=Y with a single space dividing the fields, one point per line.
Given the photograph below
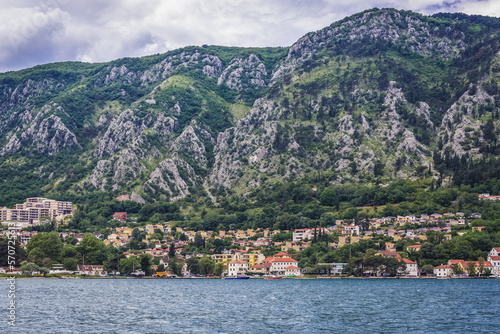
x=252 y=306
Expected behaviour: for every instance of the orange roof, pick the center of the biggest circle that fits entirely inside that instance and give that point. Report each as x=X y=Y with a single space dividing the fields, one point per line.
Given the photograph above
x=443 y=266
x=292 y=267
x=407 y=261
x=281 y=254
x=414 y=246
x=496 y=258
x=269 y=259
x=284 y=259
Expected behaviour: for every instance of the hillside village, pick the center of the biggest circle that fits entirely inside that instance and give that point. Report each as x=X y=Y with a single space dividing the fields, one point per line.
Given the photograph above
x=278 y=252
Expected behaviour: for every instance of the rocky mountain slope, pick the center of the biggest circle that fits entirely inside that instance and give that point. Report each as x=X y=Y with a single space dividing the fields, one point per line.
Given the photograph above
x=378 y=95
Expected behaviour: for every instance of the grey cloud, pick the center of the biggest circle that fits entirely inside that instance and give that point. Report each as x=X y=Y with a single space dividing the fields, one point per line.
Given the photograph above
x=34 y=32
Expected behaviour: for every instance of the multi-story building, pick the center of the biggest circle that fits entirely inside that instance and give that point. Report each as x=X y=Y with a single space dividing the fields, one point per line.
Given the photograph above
x=34 y=209
x=237 y=267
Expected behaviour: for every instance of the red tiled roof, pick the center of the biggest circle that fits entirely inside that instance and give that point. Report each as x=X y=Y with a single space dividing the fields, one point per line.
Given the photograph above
x=292 y=267
x=407 y=261
x=443 y=266
x=284 y=259
x=496 y=258
x=281 y=254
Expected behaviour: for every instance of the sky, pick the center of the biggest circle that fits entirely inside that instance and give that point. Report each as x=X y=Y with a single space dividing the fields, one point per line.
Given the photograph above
x=34 y=32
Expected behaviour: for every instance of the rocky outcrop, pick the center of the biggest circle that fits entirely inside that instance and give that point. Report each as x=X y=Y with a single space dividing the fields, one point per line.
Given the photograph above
x=173 y=176
x=244 y=73
x=410 y=31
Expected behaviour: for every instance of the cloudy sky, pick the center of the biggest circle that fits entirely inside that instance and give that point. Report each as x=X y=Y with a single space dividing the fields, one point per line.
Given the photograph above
x=35 y=32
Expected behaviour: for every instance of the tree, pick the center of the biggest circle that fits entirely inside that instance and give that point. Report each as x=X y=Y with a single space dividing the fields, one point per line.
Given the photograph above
x=129 y=265
x=481 y=261
x=43 y=271
x=175 y=266
x=457 y=270
x=219 y=267
x=89 y=244
x=207 y=266
x=171 y=251
x=19 y=252
x=199 y=242
x=193 y=265
x=428 y=269
x=28 y=268
x=70 y=264
x=49 y=245
x=471 y=268
x=329 y=197
x=138 y=234
x=146 y=262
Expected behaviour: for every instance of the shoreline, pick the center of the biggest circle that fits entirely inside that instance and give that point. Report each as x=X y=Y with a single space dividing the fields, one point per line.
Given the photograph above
x=286 y=278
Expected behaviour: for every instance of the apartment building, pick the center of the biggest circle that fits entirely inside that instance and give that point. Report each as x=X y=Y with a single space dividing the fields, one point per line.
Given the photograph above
x=34 y=209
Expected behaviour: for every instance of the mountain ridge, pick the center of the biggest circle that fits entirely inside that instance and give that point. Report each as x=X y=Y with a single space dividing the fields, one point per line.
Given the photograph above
x=378 y=95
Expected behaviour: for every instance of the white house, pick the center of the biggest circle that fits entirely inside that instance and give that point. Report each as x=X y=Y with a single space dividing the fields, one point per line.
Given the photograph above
x=92 y=270
x=279 y=265
x=353 y=229
x=292 y=271
x=443 y=271
x=237 y=267
x=299 y=234
x=411 y=267
x=494 y=258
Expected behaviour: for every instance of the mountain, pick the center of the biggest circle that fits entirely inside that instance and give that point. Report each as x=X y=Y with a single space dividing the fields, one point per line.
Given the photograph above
x=379 y=95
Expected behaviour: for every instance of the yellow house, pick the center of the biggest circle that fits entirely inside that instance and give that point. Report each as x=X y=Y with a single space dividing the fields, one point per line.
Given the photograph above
x=222 y=258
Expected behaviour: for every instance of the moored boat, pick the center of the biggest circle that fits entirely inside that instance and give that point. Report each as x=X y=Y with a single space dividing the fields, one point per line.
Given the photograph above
x=237 y=277
x=273 y=277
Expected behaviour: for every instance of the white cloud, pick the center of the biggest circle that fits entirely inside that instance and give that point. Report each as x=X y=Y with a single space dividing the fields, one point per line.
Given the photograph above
x=34 y=32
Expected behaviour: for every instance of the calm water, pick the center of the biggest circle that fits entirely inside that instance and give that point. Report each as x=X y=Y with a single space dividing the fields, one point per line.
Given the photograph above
x=254 y=306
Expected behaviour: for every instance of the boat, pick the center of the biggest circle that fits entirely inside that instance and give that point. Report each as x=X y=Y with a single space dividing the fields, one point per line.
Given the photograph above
x=237 y=277
x=273 y=277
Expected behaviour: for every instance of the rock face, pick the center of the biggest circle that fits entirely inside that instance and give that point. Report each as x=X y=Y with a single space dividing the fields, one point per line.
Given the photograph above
x=249 y=72
x=167 y=177
x=375 y=96
x=47 y=133
x=386 y=25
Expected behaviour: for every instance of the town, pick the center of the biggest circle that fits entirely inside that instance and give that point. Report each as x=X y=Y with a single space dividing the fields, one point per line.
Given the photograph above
x=397 y=247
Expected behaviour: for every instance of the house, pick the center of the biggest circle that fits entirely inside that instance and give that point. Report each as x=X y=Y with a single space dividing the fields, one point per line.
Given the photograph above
x=278 y=265
x=299 y=234
x=475 y=215
x=237 y=267
x=461 y=265
x=413 y=248
x=292 y=271
x=390 y=247
x=352 y=229
x=261 y=268
x=411 y=268
x=494 y=258
x=388 y=254
x=91 y=269
x=336 y=269
x=121 y=216
x=444 y=270
x=489 y=197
